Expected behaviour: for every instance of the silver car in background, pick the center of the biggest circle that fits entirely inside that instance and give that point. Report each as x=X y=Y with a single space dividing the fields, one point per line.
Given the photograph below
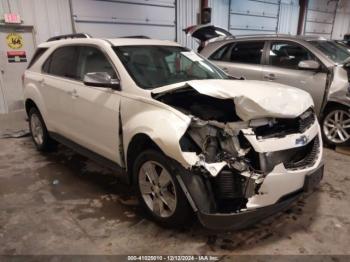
x=316 y=65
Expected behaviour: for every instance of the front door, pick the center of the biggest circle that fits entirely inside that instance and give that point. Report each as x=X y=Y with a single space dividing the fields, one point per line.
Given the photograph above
x=96 y=109
x=16 y=50
x=282 y=67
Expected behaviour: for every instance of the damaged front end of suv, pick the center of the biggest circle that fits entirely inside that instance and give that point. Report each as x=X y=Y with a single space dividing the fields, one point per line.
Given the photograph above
x=249 y=153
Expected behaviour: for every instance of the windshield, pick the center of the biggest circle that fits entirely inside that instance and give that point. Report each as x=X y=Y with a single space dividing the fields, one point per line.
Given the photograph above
x=337 y=52
x=156 y=66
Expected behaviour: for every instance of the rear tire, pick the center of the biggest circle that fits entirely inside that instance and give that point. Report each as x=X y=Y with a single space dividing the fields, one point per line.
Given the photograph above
x=336 y=126
x=39 y=132
x=159 y=191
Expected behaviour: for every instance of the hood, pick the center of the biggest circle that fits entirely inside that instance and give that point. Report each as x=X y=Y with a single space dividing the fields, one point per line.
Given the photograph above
x=252 y=99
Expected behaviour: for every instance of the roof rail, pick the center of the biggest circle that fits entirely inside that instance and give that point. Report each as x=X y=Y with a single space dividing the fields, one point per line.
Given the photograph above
x=136 y=36
x=69 y=36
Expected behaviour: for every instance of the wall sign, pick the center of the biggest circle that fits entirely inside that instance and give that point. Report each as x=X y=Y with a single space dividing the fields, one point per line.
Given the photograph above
x=12 y=18
x=14 y=41
x=16 y=56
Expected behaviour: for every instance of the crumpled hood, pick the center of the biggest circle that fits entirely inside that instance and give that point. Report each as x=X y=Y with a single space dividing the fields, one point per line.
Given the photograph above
x=253 y=99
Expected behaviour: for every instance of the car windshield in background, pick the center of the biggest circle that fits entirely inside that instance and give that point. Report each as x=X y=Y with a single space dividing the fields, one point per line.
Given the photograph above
x=156 y=66
x=335 y=51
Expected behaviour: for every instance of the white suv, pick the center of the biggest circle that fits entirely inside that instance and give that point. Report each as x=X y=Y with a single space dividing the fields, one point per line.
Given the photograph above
x=189 y=138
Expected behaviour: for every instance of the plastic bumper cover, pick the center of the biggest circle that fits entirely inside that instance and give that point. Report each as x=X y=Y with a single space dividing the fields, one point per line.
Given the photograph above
x=234 y=221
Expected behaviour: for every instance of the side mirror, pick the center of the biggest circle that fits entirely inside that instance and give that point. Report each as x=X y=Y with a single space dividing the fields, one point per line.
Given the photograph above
x=309 y=65
x=101 y=79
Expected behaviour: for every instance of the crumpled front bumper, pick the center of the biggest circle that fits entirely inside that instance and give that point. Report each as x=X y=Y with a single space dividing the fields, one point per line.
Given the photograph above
x=235 y=221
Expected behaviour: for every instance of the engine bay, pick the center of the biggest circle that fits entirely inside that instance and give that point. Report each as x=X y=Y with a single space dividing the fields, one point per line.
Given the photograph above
x=215 y=135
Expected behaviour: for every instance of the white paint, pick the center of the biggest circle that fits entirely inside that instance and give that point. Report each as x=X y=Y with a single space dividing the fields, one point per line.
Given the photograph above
x=140 y=114
x=253 y=99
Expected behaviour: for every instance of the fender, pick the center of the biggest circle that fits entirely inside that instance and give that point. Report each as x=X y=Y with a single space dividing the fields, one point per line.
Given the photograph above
x=164 y=127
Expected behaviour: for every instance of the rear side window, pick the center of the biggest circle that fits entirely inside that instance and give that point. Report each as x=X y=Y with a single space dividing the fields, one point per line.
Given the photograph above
x=38 y=53
x=63 y=62
x=220 y=54
x=247 y=52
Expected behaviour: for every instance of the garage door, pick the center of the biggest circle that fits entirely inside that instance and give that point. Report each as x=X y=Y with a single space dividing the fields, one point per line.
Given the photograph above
x=254 y=16
x=109 y=18
x=320 y=18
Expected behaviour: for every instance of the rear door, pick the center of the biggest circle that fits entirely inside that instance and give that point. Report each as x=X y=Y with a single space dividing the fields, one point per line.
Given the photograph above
x=283 y=58
x=241 y=59
x=57 y=85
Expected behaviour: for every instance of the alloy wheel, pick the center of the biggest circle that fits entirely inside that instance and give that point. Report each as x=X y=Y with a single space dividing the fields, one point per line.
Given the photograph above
x=157 y=189
x=336 y=126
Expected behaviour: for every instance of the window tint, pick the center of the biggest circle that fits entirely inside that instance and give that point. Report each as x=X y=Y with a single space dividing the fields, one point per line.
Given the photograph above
x=46 y=66
x=38 y=53
x=221 y=53
x=247 y=52
x=92 y=60
x=63 y=62
x=288 y=55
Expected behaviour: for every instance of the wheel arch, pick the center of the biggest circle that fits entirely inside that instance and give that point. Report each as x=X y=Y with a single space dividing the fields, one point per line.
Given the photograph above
x=29 y=103
x=331 y=104
x=138 y=143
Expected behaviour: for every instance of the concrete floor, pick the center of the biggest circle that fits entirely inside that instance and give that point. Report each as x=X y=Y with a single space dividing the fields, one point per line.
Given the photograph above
x=62 y=203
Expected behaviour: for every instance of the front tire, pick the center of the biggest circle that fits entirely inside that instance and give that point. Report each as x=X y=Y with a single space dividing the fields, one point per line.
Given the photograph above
x=336 y=126
x=38 y=131
x=159 y=191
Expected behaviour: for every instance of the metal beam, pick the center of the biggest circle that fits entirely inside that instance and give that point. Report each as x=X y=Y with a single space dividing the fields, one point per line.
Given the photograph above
x=302 y=16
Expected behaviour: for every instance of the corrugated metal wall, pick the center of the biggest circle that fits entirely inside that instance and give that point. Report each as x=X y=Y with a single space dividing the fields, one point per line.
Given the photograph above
x=288 y=17
x=113 y=18
x=187 y=15
x=253 y=17
x=320 y=18
x=220 y=12
x=169 y=17
x=342 y=20
x=49 y=17
x=244 y=17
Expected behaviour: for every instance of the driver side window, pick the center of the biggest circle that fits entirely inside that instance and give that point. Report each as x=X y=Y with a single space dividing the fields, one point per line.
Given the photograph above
x=288 y=55
x=93 y=60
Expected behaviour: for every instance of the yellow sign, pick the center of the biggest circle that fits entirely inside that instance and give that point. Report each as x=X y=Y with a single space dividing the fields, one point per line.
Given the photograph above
x=14 y=40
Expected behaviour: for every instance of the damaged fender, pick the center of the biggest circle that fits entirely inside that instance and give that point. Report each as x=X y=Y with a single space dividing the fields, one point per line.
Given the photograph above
x=164 y=125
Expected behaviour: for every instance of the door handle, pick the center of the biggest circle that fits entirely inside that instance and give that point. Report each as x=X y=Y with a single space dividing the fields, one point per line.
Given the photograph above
x=225 y=69
x=73 y=93
x=270 y=77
